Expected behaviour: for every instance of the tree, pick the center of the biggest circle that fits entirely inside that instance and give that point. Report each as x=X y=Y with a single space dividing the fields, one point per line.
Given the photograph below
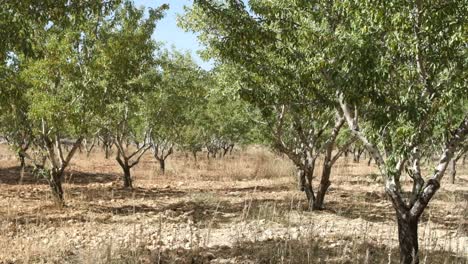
x=19 y=21
x=63 y=87
x=128 y=58
x=457 y=156
x=21 y=30
x=269 y=62
x=412 y=97
x=172 y=102
x=15 y=127
x=228 y=119
x=397 y=66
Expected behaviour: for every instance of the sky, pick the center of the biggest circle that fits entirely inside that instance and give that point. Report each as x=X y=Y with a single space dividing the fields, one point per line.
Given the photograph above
x=168 y=32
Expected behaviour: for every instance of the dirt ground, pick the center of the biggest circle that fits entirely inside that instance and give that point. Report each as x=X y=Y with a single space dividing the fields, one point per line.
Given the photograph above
x=243 y=208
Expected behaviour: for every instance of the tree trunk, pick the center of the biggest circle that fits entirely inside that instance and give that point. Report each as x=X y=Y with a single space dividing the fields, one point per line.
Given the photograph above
x=127 y=177
x=23 y=167
x=225 y=151
x=305 y=183
x=408 y=238
x=162 y=165
x=55 y=183
x=107 y=151
x=356 y=155
x=453 y=170
x=324 y=185
x=306 y=186
x=194 y=153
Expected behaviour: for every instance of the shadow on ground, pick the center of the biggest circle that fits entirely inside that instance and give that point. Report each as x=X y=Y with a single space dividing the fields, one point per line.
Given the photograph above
x=299 y=251
x=10 y=176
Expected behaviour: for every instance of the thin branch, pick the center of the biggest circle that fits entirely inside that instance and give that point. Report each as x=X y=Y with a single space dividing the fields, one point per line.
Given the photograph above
x=139 y=156
x=343 y=149
x=70 y=155
x=354 y=127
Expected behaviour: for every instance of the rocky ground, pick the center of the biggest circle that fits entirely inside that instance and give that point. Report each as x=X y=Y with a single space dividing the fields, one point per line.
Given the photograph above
x=244 y=208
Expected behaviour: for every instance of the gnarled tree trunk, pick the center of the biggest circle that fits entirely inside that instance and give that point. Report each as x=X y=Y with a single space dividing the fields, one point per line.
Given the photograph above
x=127 y=176
x=22 y=167
x=161 y=152
x=162 y=165
x=55 y=183
x=306 y=173
x=408 y=238
x=323 y=187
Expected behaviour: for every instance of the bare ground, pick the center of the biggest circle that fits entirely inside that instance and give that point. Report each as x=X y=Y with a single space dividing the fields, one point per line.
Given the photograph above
x=244 y=208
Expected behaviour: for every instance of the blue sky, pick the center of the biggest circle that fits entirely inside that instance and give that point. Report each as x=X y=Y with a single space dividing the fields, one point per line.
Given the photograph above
x=168 y=32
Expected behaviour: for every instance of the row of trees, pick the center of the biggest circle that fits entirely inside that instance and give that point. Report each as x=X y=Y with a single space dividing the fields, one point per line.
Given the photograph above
x=389 y=74
x=94 y=73
x=311 y=78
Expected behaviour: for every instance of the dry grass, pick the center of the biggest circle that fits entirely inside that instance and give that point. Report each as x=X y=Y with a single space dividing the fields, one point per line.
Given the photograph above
x=244 y=208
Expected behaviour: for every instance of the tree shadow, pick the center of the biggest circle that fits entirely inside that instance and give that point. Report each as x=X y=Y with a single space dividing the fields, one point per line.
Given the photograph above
x=201 y=212
x=10 y=176
x=293 y=251
x=84 y=178
x=51 y=214
x=377 y=208
x=109 y=193
x=370 y=206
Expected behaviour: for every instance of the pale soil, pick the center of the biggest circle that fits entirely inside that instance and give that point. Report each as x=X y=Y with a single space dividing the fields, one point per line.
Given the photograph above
x=215 y=205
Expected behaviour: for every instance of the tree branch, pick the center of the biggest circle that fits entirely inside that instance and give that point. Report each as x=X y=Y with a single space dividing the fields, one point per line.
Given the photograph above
x=431 y=187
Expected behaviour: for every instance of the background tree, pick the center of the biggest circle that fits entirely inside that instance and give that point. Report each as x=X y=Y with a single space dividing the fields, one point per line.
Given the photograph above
x=62 y=88
x=128 y=57
x=268 y=59
x=14 y=123
x=228 y=118
x=172 y=102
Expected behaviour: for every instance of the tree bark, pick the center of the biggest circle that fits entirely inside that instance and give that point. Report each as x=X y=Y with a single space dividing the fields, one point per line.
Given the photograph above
x=23 y=167
x=225 y=151
x=408 y=238
x=55 y=183
x=357 y=154
x=127 y=177
x=107 y=151
x=162 y=165
x=453 y=170
x=324 y=185
x=306 y=174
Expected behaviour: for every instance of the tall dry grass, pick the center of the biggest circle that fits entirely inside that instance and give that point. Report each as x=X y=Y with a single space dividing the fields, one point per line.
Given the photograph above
x=243 y=208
